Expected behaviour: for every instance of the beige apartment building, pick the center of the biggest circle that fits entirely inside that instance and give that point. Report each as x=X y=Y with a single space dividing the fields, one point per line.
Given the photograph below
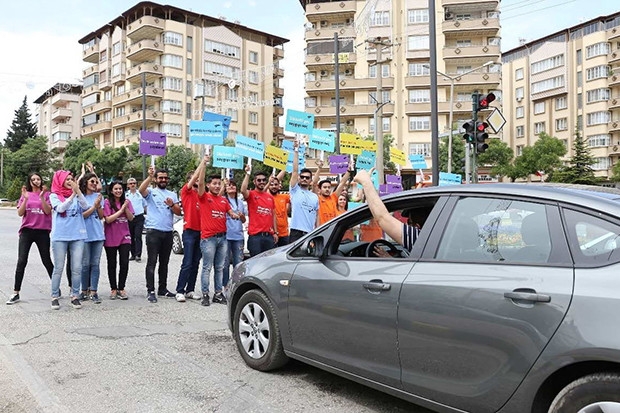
x=59 y=114
x=384 y=56
x=566 y=81
x=178 y=63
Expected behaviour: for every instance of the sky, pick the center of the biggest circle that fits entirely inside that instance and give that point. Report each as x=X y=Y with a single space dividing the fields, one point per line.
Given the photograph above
x=40 y=37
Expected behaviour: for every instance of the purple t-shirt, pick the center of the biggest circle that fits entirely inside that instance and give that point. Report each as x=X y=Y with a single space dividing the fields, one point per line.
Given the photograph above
x=34 y=217
x=117 y=232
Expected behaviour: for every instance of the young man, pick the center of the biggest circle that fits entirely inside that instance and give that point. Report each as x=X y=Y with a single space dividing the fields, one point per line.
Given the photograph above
x=262 y=235
x=136 y=225
x=162 y=204
x=283 y=208
x=304 y=202
x=213 y=244
x=328 y=200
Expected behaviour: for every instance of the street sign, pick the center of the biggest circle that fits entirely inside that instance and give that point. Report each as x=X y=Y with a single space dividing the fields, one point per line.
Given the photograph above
x=496 y=120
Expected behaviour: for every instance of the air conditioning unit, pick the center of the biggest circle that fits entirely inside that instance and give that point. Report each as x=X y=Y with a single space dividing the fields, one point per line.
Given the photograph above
x=349 y=21
x=348 y=72
x=519 y=99
x=324 y=73
x=323 y=23
x=349 y=123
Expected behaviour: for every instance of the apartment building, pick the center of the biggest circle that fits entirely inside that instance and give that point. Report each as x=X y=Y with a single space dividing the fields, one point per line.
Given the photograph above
x=384 y=57
x=156 y=67
x=59 y=114
x=566 y=81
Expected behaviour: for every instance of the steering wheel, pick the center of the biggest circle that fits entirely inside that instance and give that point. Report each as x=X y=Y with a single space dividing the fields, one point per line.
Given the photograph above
x=370 y=249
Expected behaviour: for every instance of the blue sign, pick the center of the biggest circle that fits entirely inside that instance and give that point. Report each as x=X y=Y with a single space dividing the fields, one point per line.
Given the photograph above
x=206 y=132
x=288 y=145
x=418 y=162
x=299 y=122
x=322 y=140
x=365 y=160
x=225 y=157
x=249 y=147
x=446 y=179
x=216 y=117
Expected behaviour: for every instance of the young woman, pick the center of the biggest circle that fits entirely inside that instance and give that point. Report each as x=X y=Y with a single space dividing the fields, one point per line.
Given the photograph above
x=341 y=206
x=35 y=210
x=117 y=211
x=68 y=233
x=234 y=230
x=93 y=245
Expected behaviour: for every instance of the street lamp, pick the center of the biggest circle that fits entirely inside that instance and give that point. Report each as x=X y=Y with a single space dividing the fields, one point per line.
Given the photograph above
x=452 y=79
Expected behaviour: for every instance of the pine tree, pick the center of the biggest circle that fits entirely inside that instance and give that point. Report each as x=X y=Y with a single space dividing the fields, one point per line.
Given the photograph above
x=579 y=169
x=21 y=128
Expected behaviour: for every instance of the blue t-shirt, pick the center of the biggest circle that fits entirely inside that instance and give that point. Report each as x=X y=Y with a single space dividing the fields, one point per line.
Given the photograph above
x=234 y=227
x=304 y=207
x=94 y=226
x=160 y=215
x=68 y=225
x=137 y=202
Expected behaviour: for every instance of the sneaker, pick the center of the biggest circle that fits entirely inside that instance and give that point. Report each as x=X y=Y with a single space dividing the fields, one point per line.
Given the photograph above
x=205 y=301
x=76 y=303
x=138 y=259
x=122 y=295
x=151 y=297
x=132 y=258
x=180 y=297
x=55 y=304
x=192 y=295
x=95 y=298
x=84 y=296
x=13 y=299
x=219 y=298
x=113 y=295
x=166 y=294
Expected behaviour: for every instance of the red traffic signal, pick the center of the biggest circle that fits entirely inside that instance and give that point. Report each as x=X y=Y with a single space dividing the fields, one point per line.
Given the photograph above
x=483 y=102
x=481 y=126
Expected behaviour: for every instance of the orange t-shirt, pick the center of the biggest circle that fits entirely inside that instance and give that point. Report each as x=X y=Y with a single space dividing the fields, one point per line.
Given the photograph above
x=282 y=201
x=328 y=207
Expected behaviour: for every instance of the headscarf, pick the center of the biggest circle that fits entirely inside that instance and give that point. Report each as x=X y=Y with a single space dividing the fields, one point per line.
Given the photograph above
x=58 y=185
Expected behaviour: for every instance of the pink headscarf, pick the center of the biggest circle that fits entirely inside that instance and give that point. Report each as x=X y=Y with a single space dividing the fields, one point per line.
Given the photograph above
x=58 y=185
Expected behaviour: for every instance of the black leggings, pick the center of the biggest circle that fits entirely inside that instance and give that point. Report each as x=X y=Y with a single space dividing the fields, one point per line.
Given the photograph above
x=123 y=260
x=28 y=236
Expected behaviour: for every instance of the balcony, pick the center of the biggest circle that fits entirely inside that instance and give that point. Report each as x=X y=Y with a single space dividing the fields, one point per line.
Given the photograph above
x=97 y=107
x=147 y=27
x=90 y=70
x=614 y=103
x=135 y=118
x=614 y=80
x=351 y=110
x=96 y=128
x=88 y=90
x=62 y=127
x=326 y=33
x=442 y=107
x=326 y=61
x=468 y=81
x=120 y=78
x=614 y=126
x=336 y=10
x=470 y=4
x=278 y=111
x=59 y=144
x=144 y=50
x=481 y=53
x=614 y=34
x=153 y=95
x=278 y=53
x=63 y=99
x=614 y=57
x=61 y=114
x=348 y=84
x=278 y=130
x=278 y=91
x=474 y=27
x=152 y=71
x=278 y=73
x=91 y=55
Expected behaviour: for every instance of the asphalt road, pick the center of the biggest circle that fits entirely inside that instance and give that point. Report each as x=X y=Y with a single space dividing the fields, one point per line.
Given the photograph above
x=133 y=356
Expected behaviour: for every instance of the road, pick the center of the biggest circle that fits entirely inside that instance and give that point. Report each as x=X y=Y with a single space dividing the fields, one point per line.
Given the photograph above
x=130 y=356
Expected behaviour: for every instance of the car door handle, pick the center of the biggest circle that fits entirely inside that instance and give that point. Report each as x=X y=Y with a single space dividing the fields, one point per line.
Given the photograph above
x=530 y=295
x=377 y=286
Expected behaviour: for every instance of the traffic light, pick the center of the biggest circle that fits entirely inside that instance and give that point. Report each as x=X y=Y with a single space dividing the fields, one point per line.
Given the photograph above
x=470 y=132
x=484 y=100
x=481 y=137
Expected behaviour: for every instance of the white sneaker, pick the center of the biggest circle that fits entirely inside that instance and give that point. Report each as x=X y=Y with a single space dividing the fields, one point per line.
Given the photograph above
x=193 y=295
x=180 y=298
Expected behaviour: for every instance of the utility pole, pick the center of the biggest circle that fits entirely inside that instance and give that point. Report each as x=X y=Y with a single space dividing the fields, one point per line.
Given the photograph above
x=337 y=84
x=432 y=28
x=144 y=121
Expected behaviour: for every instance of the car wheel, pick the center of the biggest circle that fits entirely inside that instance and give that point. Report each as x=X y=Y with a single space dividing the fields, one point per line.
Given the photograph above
x=177 y=245
x=596 y=393
x=257 y=332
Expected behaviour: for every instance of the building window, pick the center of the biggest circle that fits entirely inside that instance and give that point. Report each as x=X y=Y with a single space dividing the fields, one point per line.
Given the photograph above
x=385 y=124
x=380 y=18
x=119 y=134
x=519 y=93
x=463 y=43
x=172 y=129
x=418 y=42
x=418 y=69
x=419 y=95
x=539 y=127
x=253 y=57
x=579 y=78
x=601 y=164
x=419 y=123
x=597 y=72
x=423 y=149
x=253 y=77
x=595 y=141
x=343 y=102
x=598 y=118
x=232 y=94
x=579 y=56
x=188 y=111
x=519 y=74
x=548 y=84
x=539 y=107
x=311 y=102
x=372 y=71
x=116 y=48
x=550 y=63
x=598 y=49
x=90 y=100
x=222 y=70
x=520 y=132
x=172 y=60
x=120 y=89
x=188 y=65
x=598 y=95
x=253 y=97
x=190 y=43
x=91 y=80
x=171 y=106
x=172 y=83
x=172 y=38
x=385 y=97
x=519 y=150
x=561 y=124
x=561 y=103
x=103 y=56
x=119 y=111
x=253 y=135
x=253 y=118
x=520 y=112
x=222 y=48
x=233 y=113
x=385 y=70
x=415 y=16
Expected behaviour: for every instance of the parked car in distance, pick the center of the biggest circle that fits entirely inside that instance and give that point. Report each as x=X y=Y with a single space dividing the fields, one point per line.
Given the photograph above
x=508 y=301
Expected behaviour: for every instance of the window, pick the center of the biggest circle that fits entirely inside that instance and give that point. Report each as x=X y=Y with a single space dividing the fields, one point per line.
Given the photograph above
x=579 y=56
x=120 y=89
x=598 y=118
x=561 y=103
x=519 y=93
x=579 y=78
x=172 y=60
x=190 y=43
x=343 y=102
x=103 y=56
x=253 y=118
x=418 y=42
x=253 y=57
x=222 y=48
x=171 y=106
x=598 y=95
x=219 y=69
x=539 y=107
x=463 y=43
x=372 y=71
x=119 y=111
x=61 y=136
x=232 y=94
x=253 y=135
x=561 y=124
x=172 y=38
x=519 y=150
x=539 y=127
x=595 y=141
x=380 y=18
x=419 y=123
x=311 y=102
x=423 y=149
x=172 y=129
x=417 y=16
x=385 y=70
x=253 y=77
x=519 y=74
x=119 y=134
x=419 y=95
x=597 y=72
x=520 y=112
x=520 y=132
x=253 y=97
x=593 y=240
x=188 y=65
x=385 y=124
x=548 y=84
x=90 y=100
x=233 y=113
x=188 y=112
x=116 y=69
x=550 y=63
x=91 y=80
x=172 y=83
x=598 y=49
x=579 y=100
x=601 y=164
x=418 y=69
x=107 y=95
x=116 y=48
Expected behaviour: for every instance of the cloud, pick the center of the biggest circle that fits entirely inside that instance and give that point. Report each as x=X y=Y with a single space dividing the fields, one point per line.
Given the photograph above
x=294 y=70
x=227 y=4
x=252 y=3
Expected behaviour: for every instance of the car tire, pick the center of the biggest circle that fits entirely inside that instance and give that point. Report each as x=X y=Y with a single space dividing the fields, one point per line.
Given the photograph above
x=177 y=244
x=257 y=332
x=598 y=392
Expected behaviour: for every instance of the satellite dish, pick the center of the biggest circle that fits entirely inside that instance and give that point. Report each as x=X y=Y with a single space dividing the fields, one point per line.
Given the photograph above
x=232 y=83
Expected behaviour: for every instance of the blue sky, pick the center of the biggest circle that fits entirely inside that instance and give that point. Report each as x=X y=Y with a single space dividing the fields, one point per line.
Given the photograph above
x=41 y=36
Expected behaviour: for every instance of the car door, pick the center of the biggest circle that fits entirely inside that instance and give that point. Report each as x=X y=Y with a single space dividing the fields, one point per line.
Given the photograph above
x=489 y=292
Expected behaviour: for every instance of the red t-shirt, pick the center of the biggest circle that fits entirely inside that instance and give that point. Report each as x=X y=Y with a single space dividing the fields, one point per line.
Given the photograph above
x=260 y=211
x=191 y=208
x=213 y=210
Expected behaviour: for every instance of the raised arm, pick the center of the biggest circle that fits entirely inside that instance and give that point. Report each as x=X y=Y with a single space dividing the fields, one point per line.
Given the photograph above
x=295 y=173
x=203 y=164
x=246 y=181
x=144 y=186
x=316 y=177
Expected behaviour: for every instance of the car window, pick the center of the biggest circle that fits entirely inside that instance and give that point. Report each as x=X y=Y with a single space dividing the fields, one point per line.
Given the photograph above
x=594 y=241
x=496 y=230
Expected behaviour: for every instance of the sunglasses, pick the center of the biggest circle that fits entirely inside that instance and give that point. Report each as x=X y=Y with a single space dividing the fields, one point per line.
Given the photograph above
x=163 y=178
x=131 y=183
x=305 y=177
x=92 y=181
x=261 y=180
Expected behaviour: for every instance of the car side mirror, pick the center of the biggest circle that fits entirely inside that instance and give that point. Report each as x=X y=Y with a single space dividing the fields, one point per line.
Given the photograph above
x=314 y=247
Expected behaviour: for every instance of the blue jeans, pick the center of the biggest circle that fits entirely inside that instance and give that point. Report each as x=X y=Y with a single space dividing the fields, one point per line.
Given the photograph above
x=260 y=243
x=90 y=265
x=59 y=252
x=191 y=260
x=214 y=250
x=234 y=256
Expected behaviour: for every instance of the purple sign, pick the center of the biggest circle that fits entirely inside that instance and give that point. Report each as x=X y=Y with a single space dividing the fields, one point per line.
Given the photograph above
x=338 y=164
x=152 y=143
x=383 y=189
x=393 y=188
x=393 y=179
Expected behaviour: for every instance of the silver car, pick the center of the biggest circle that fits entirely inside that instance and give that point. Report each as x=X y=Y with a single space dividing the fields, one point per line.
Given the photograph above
x=507 y=301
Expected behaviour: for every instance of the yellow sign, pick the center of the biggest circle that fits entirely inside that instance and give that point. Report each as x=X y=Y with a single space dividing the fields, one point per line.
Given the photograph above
x=350 y=144
x=275 y=157
x=343 y=58
x=369 y=145
x=397 y=156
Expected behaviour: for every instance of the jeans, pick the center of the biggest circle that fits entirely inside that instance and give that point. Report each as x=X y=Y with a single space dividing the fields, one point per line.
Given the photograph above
x=282 y=241
x=260 y=243
x=214 y=251
x=191 y=260
x=234 y=256
x=41 y=237
x=59 y=251
x=123 y=258
x=90 y=265
x=158 y=246
x=295 y=234
x=136 y=226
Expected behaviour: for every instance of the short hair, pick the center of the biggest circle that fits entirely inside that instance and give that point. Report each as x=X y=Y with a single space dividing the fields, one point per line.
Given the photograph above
x=324 y=181
x=274 y=178
x=305 y=170
x=189 y=175
x=212 y=177
x=130 y=180
x=160 y=171
x=260 y=173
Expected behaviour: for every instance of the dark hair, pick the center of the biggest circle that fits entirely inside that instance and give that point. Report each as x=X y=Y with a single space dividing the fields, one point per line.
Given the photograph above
x=305 y=170
x=111 y=197
x=212 y=177
x=160 y=171
x=231 y=182
x=324 y=181
x=29 y=184
x=189 y=175
x=259 y=173
x=84 y=181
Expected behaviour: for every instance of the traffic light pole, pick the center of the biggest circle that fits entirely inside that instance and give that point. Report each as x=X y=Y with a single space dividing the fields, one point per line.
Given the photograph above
x=473 y=167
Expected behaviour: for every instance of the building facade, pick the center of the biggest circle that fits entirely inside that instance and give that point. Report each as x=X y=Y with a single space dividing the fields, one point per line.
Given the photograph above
x=567 y=81
x=59 y=114
x=384 y=58
x=157 y=67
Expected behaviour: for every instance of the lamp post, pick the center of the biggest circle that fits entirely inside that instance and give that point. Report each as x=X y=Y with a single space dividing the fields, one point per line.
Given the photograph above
x=450 y=116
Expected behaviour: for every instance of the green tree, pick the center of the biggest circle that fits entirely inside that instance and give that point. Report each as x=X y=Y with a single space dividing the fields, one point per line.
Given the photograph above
x=109 y=163
x=499 y=156
x=579 y=169
x=78 y=152
x=133 y=167
x=21 y=128
x=33 y=156
x=458 y=154
x=178 y=160
x=388 y=141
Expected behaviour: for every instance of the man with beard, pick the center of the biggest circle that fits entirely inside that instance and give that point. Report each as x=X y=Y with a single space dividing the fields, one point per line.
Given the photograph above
x=162 y=204
x=262 y=235
x=328 y=200
x=283 y=208
x=304 y=202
